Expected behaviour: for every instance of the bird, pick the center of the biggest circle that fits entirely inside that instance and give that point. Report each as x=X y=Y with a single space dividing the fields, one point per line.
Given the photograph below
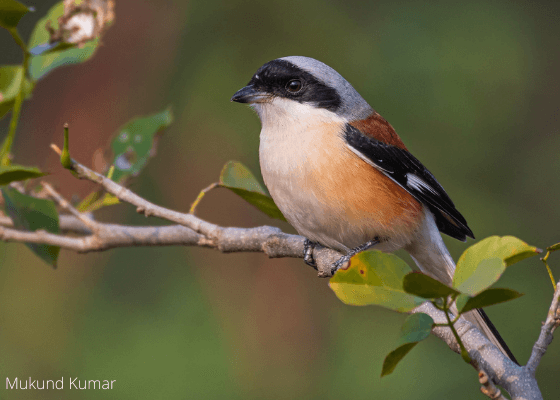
x=343 y=178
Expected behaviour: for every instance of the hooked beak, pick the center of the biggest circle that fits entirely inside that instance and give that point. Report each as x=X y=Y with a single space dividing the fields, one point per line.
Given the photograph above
x=250 y=95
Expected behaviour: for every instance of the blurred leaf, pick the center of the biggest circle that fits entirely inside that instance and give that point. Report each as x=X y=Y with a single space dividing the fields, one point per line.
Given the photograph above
x=376 y=278
x=416 y=328
x=554 y=247
x=486 y=273
x=237 y=177
x=14 y=173
x=11 y=11
x=41 y=65
x=48 y=48
x=110 y=200
x=135 y=144
x=90 y=199
x=487 y=298
x=425 y=286
x=10 y=81
x=32 y=214
x=508 y=250
x=107 y=200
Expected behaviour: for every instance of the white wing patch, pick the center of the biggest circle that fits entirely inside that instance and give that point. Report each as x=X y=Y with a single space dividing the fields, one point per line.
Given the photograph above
x=367 y=160
x=417 y=183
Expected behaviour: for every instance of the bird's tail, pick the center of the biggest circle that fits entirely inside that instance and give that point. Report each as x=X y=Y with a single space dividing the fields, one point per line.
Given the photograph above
x=433 y=258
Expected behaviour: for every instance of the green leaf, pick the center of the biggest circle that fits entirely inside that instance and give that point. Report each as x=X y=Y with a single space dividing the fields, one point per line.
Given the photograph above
x=416 y=328
x=461 y=300
x=376 y=278
x=11 y=11
x=44 y=63
x=14 y=173
x=135 y=142
x=10 y=81
x=32 y=214
x=425 y=286
x=508 y=250
x=487 y=298
x=486 y=273
x=48 y=48
x=237 y=178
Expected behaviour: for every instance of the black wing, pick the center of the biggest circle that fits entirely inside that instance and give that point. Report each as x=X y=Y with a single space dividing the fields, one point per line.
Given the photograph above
x=405 y=169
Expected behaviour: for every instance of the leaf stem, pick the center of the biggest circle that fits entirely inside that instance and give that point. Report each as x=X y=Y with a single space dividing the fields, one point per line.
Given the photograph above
x=201 y=195
x=544 y=259
x=450 y=324
x=7 y=145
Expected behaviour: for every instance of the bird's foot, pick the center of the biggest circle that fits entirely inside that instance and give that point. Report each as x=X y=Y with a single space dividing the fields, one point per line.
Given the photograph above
x=345 y=259
x=308 y=247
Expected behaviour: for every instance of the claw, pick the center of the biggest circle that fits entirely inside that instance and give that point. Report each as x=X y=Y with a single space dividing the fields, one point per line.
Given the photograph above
x=308 y=247
x=344 y=259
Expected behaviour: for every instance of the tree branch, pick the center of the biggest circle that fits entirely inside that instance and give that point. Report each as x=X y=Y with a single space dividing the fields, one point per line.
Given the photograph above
x=485 y=357
x=493 y=366
x=545 y=338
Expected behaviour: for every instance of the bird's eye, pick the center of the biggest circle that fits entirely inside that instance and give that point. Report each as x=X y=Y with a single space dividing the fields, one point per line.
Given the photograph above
x=294 y=85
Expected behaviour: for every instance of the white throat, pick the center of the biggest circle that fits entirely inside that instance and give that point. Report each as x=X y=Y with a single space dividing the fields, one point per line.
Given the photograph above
x=290 y=127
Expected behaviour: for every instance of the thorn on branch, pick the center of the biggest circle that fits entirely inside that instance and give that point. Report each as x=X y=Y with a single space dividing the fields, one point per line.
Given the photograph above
x=65 y=159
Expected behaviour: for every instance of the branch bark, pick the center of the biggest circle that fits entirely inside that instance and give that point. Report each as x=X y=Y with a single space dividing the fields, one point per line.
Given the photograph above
x=545 y=338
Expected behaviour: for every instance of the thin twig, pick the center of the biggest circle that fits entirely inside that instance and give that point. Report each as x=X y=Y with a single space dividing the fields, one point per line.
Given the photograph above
x=545 y=338
x=143 y=206
x=62 y=202
x=111 y=236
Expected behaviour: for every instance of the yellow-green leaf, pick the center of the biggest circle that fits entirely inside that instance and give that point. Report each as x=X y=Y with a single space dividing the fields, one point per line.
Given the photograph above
x=496 y=253
x=376 y=278
x=484 y=275
x=237 y=178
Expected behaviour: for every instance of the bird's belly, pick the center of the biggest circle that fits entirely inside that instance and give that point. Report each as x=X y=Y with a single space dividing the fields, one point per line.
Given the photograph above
x=332 y=197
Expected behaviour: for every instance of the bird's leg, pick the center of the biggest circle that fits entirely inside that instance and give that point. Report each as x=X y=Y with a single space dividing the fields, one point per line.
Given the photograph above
x=308 y=247
x=363 y=247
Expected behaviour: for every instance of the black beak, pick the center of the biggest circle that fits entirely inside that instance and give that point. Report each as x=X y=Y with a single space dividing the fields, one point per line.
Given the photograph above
x=249 y=94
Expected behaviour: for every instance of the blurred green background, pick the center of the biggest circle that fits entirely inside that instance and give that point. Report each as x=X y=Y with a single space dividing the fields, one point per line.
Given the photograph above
x=472 y=88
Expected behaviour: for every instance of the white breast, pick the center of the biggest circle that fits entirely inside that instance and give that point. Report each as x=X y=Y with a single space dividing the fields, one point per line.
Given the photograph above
x=290 y=139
